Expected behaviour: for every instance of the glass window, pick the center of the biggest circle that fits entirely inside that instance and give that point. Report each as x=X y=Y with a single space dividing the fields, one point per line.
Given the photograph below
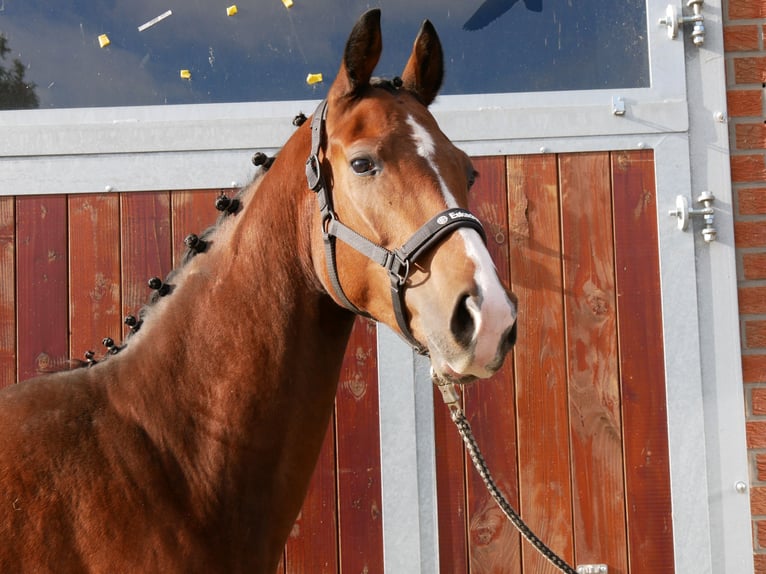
x=90 y=53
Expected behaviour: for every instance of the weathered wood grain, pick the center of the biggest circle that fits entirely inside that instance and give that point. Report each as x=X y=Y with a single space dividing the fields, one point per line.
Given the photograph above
x=312 y=544
x=358 y=454
x=145 y=232
x=41 y=284
x=7 y=291
x=592 y=361
x=639 y=309
x=540 y=357
x=94 y=272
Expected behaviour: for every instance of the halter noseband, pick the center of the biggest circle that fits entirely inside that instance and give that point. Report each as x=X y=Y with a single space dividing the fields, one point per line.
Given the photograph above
x=398 y=262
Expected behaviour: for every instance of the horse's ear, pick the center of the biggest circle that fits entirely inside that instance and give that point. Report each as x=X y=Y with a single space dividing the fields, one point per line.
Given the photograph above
x=362 y=53
x=424 y=71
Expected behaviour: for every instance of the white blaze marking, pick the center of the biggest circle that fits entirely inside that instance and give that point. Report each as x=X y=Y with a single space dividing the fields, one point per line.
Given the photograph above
x=426 y=148
x=496 y=312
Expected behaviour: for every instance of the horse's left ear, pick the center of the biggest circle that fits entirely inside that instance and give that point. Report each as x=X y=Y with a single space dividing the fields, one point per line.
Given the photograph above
x=361 y=55
x=424 y=71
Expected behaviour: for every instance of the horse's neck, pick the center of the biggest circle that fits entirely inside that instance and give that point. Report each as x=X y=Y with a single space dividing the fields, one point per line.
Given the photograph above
x=239 y=365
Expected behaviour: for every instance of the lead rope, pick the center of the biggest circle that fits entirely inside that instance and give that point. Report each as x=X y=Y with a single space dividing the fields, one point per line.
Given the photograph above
x=452 y=399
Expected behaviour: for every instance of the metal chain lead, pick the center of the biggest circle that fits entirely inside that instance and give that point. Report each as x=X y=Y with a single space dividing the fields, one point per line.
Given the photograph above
x=451 y=398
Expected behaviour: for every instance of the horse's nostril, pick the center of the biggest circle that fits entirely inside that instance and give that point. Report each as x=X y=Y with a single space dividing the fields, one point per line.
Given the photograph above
x=462 y=323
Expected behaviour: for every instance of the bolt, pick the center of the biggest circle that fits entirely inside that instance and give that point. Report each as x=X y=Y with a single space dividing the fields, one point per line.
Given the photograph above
x=741 y=487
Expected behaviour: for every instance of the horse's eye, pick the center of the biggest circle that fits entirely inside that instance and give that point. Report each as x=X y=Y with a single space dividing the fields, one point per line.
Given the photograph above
x=363 y=166
x=472 y=178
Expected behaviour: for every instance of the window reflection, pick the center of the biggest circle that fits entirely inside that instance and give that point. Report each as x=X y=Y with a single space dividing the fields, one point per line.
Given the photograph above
x=92 y=53
x=15 y=91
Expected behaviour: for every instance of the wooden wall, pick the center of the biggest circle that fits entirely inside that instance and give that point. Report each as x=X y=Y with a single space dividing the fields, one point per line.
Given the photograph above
x=573 y=427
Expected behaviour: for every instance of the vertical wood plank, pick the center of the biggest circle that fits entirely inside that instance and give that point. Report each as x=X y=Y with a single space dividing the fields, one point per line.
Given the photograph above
x=94 y=271
x=192 y=212
x=494 y=544
x=312 y=544
x=41 y=284
x=639 y=309
x=358 y=454
x=451 y=495
x=540 y=358
x=7 y=291
x=145 y=232
x=594 y=397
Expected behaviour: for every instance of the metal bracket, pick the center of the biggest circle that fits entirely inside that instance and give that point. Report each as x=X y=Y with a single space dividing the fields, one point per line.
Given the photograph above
x=673 y=21
x=684 y=213
x=618 y=106
x=592 y=569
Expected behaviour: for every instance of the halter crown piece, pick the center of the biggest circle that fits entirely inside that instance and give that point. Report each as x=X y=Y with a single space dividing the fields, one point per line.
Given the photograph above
x=398 y=262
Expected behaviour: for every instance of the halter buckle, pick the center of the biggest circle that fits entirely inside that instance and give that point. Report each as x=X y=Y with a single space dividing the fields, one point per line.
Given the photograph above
x=398 y=268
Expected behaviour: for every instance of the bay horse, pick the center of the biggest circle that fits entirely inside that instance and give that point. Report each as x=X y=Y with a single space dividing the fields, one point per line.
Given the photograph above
x=192 y=448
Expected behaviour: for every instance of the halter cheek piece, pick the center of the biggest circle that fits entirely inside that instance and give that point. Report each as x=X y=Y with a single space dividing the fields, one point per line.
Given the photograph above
x=398 y=262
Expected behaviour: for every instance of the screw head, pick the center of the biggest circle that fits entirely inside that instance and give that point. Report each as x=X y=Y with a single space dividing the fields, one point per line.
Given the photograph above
x=741 y=487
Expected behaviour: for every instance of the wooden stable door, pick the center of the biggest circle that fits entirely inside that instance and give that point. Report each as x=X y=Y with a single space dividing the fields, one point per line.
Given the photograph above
x=573 y=427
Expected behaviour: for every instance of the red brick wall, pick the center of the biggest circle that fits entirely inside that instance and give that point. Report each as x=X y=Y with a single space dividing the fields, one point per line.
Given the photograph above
x=744 y=27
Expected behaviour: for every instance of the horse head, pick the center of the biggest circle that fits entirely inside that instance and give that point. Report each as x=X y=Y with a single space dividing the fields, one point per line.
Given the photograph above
x=393 y=238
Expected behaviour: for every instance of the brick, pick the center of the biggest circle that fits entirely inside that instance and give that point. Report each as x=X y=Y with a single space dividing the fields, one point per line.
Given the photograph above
x=750 y=70
x=756 y=435
x=754 y=266
x=758 y=500
x=760 y=529
x=752 y=201
x=750 y=233
x=754 y=368
x=752 y=300
x=760 y=467
x=758 y=402
x=747 y=9
x=749 y=167
x=745 y=103
x=755 y=335
x=750 y=136
x=741 y=38
x=760 y=563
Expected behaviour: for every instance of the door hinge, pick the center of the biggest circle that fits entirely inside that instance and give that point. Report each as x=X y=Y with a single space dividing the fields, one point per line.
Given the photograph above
x=684 y=213
x=673 y=21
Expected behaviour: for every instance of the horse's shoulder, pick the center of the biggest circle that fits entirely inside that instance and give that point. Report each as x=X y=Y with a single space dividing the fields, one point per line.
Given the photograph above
x=48 y=410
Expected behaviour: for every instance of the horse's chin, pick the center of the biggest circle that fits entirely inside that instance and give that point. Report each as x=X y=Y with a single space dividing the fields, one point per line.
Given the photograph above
x=458 y=370
x=461 y=381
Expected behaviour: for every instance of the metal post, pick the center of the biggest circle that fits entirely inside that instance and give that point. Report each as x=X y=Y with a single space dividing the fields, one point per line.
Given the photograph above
x=408 y=467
